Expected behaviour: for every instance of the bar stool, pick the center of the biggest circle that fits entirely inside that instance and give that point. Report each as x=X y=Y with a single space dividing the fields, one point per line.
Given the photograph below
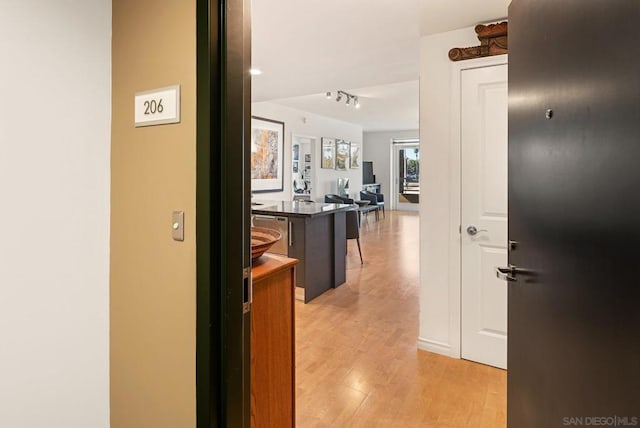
x=353 y=229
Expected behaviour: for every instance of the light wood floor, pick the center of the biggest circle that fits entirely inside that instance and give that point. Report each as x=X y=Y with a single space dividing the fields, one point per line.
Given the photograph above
x=357 y=364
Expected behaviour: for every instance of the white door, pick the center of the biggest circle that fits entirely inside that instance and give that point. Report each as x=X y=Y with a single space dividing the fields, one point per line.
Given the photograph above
x=484 y=214
x=406 y=176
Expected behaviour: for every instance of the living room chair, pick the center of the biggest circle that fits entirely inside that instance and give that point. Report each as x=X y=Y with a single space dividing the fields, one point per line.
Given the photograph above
x=379 y=200
x=373 y=202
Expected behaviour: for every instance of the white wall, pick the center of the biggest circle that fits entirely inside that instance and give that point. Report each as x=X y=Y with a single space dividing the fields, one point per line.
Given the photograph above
x=325 y=180
x=55 y=86
x=435 y=332
x=377 y=148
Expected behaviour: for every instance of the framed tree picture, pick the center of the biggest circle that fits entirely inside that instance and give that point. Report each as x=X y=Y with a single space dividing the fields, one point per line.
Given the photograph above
x=355 y=155
x=328 y=158
x=342 y=155
x=267 y=155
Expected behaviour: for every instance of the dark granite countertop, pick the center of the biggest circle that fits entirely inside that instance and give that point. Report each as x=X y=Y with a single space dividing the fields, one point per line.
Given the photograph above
x=296 y=208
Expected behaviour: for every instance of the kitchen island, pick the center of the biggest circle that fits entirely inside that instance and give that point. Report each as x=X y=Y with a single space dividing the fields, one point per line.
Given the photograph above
x=315 y=234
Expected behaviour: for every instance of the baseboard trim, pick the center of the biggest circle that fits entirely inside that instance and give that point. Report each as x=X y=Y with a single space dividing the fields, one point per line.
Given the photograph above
x=435 y=347
x=299 y=293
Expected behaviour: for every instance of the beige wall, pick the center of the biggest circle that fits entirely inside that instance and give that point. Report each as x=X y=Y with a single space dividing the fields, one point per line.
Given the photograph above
x=153 y=286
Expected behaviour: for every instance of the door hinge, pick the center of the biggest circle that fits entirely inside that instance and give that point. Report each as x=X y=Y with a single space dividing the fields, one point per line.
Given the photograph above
x=248 y=290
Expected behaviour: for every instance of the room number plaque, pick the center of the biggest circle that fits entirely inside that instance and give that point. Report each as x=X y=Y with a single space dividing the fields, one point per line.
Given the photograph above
x=157 y=106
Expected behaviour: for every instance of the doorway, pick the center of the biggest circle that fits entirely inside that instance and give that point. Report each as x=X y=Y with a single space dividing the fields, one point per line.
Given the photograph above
x=483 y=234
x=483 y=248
x=405 y=170
x=303 y=149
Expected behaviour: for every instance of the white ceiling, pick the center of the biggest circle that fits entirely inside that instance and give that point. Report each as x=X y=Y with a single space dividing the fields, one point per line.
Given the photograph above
x=307 y=47
x=438 y=16
x=389 y=107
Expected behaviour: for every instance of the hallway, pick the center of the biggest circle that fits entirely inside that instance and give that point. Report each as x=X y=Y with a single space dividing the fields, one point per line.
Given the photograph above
x=357 y=364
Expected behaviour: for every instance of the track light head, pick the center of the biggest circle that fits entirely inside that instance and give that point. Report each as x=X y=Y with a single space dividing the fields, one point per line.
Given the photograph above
x=350 y=99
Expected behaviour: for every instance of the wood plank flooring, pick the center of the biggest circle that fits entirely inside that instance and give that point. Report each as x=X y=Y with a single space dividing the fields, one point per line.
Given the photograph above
x=357 y=364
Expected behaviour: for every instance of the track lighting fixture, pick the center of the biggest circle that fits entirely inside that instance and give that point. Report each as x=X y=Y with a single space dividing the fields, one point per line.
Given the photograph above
x=349 y=98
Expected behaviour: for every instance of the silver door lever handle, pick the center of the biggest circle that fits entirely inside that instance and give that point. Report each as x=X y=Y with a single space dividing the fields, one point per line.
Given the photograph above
x=472 y=230
x=506 y=273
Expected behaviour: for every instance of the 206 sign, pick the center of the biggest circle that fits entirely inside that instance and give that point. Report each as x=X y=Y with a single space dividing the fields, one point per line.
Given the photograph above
x=158 y=106
x=153 y=107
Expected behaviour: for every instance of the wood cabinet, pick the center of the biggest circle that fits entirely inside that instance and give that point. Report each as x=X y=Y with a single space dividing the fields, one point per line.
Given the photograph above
x=273 y=342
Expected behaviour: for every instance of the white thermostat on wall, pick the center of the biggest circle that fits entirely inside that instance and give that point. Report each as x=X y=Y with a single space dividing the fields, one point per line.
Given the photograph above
x=157 y=106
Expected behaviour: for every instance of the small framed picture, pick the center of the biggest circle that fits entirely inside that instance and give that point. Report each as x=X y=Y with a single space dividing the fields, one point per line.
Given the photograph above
x=328 y=153
x=307 y=157
x=295 y=167
x=342 y=155
x=355 y=155
x=267 y=155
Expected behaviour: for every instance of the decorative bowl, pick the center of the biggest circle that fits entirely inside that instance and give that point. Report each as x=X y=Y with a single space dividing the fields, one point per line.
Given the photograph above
x=362 y=203
x=262 y=238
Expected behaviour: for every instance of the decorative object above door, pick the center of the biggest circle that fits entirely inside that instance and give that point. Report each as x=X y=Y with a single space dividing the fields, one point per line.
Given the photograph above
x=493 y=41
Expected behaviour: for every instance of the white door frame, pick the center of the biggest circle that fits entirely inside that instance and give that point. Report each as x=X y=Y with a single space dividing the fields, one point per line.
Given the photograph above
x=312 y=144
x=393 y=169
x=455 y=170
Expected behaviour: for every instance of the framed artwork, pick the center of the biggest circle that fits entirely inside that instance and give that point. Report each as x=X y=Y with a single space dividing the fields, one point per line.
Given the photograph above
x=355 y=155
x=342 y=155
x=267 y=155
x=295 y=167
x=328 y=153
x=296 y=152
x=307 y=157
